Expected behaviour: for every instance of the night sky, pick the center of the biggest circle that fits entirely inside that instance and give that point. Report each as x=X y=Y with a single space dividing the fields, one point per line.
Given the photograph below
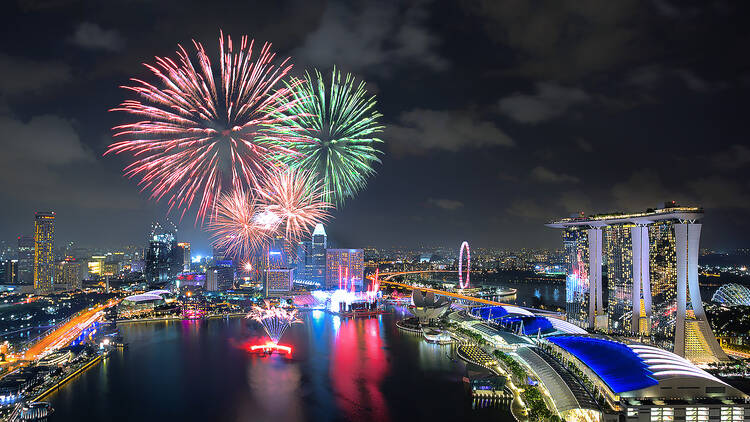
x=500 y=115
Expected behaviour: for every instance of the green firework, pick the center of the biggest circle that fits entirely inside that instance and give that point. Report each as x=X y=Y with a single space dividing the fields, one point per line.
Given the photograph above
x=337 y=126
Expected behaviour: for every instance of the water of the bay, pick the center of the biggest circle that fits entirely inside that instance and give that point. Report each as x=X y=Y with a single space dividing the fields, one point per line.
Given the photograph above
x=340 y=370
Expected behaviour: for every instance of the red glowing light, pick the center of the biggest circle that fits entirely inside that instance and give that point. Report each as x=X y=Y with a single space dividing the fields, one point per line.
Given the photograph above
x=270 y=347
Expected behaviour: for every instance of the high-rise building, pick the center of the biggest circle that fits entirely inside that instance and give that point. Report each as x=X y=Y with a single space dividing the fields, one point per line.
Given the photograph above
x=344 y=269
x=279 y=281
x=95 y=265
x=619 y=263
x=575 y=242
x=25 y=259
x=185 y=249
x=303 y=261
x=44 y=237
x=160 y=256
x=317 y=267
x=220 y=276
x=652 y=272
x=9 y=271
x=70 y=272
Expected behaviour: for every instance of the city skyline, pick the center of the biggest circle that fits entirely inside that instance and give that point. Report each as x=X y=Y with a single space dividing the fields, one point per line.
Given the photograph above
x=544 y=132
x=331 y=210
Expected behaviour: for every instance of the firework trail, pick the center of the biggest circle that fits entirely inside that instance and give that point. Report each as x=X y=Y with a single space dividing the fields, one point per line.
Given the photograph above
x=239 y=225
x=196 y=130
x=296 y=197
x=274 y=320
x=337 y=125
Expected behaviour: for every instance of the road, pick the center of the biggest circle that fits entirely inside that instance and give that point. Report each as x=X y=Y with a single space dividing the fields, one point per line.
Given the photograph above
x=385 y=279
x=66 y=333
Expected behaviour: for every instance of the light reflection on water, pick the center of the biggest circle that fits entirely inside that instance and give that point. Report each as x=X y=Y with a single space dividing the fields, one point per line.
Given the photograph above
x=360 y=369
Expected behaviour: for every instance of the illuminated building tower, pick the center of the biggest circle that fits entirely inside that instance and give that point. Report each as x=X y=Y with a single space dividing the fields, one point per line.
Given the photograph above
x=9 y=271
x=279 y=281
x=69 y=272
x=663 y=276
x=160 y=267
x=619 y=261
x=652 y=269
x=44 y=237
x=185 y=247
x=317 y=268
x=96 y=265
x=303 y=260
x=220 y=276
x=212 y=275
x=575 y=242
x=345 y=266
x=25 y=259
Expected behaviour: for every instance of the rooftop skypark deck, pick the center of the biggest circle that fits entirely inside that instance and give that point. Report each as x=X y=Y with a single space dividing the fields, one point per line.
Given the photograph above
x=647 y=217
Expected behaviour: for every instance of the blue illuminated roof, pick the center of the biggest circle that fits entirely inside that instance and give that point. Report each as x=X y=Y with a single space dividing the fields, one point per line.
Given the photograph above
x=532 y=324
x=489 y=312
x=615 y=363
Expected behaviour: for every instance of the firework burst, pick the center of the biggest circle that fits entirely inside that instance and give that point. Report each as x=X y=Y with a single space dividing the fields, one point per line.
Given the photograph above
x=338 y=125
x=197 y=131
x=296 y=198
x=274 y=320
x=236 y=225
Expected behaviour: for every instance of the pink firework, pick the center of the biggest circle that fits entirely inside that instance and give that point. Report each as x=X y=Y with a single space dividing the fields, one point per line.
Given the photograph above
x=195 y=133
x=235 y=225
x=296 y=197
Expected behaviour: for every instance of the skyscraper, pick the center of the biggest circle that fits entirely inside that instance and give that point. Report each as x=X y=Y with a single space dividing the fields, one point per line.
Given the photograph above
x=25 y=259
x=652 y=271
x=185 y=249
x=44 y=236
x=9 y=271
x=69 y=272
x=575 y=242
x=317 y=267
x=303 y=260
x=619 y=262
x=220 y=276
x=160 y=266
x=345 y=269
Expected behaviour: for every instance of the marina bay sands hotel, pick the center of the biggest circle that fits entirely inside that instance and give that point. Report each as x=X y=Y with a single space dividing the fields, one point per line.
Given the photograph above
x=652 y=292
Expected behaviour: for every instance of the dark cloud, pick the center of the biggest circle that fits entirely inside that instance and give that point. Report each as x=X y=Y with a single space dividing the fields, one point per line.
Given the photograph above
x=45 y=162
x=420 y=130
x=446 y=204
x=521 y=111
x=584 y=145
x=545 y=175
x=563 y=40
x=528 y=209
x=576 y=202
x=550 y=101
x=21 y=75
x=92 y=36
x=734 y=157
x=372 y=37
x=644 y=189
x=652 y=77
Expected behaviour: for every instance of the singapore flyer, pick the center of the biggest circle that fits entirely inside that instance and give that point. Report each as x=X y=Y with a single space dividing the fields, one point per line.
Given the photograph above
x=461 y=282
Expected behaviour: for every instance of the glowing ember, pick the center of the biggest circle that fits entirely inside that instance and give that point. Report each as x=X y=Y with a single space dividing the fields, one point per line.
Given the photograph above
x=274 y=320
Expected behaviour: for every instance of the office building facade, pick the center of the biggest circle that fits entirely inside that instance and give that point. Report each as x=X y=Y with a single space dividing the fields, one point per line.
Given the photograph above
x=25 y=259
x=344 y=269
x=44 y=238
x=317 y=267
x=575 y=243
